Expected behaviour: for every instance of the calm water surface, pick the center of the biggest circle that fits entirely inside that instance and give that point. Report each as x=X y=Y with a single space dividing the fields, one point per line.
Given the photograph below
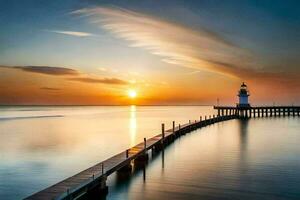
x=40 y=146
x=254 y=159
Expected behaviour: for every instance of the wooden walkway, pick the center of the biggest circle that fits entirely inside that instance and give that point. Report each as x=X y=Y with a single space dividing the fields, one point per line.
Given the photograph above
x=94 y=178
x=258 y=111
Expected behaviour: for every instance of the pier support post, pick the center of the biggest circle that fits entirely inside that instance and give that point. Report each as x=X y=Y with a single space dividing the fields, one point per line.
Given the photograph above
x=241 y=113
x=163 y=132
x=102 y=168
x=293 y=110
x=143 y=158
x=127 y=168
x=271 y=112
x=173 y=127
x=266 y=112
x=279 y=112
x=247 y=113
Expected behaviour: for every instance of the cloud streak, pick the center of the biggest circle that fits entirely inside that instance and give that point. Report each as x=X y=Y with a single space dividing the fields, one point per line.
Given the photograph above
x=68 y=73
x=114 y=81
x=57 y=71
x=176 y=44
x=72 y=33
x=50 y=88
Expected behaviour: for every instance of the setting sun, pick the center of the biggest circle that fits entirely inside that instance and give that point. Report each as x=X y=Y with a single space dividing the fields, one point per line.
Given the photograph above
x=132 y=93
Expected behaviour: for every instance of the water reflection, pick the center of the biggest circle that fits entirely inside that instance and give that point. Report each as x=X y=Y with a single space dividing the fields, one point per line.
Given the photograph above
x=163 y=160
x=144 y=174
x=132 y=125
x=243 y=134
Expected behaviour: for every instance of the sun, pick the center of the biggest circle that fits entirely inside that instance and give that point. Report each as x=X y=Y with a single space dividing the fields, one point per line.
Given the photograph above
x=132 y=93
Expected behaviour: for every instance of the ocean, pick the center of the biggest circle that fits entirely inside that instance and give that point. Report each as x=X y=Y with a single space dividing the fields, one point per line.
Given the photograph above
x=237 y=159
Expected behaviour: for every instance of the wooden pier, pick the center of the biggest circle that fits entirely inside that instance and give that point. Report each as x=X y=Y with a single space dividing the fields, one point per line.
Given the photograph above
x=92 y=181
x=258 y=111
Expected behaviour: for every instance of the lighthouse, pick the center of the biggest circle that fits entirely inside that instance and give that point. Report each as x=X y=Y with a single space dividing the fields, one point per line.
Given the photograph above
x=243 y=95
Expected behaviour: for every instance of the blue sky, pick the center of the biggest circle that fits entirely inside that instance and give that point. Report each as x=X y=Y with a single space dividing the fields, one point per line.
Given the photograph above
x=243 y=39
x=266 y=27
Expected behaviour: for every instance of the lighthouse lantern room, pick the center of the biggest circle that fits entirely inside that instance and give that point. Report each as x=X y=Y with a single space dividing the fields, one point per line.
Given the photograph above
x=243 y=95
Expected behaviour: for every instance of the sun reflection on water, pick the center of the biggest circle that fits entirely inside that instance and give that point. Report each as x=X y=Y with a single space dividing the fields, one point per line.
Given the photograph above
x=132 y=125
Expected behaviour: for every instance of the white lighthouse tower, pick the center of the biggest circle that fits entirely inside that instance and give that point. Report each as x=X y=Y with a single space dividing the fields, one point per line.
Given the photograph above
x=243 y=95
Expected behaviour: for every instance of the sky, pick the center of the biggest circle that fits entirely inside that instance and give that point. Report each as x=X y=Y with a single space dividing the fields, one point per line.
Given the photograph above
x=100 y=52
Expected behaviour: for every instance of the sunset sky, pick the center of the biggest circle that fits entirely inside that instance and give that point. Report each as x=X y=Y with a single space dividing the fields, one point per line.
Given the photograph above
x=144 y=52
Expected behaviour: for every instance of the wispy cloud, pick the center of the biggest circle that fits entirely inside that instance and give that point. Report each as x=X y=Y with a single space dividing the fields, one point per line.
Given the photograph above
x=58 y=71
x=50 y=88
x=200 y=49
x=99 y=80
x=193 y=72
x=72 y=33
x=68 y=74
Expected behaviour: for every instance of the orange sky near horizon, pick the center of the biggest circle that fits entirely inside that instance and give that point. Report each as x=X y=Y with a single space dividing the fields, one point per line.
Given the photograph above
x=31 y=88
